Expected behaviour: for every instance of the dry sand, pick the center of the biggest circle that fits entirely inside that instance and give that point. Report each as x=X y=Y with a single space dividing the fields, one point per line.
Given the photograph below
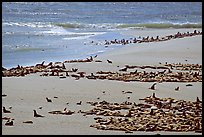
x=27 y=93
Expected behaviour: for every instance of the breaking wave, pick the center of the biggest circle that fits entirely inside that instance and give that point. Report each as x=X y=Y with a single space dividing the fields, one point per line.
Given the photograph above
x=103 y=25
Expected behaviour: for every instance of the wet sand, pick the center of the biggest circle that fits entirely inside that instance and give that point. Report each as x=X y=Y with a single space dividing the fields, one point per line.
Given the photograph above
x=24 y=94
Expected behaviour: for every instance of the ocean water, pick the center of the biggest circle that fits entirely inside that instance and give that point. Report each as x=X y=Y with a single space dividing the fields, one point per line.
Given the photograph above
x=33 y=32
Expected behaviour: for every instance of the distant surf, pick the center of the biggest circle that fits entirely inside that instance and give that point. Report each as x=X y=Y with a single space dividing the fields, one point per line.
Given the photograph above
x=160 y=25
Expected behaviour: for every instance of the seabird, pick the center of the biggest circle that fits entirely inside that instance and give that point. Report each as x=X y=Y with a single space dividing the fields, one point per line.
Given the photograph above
x=153 y=86
x=6 y=111
x=37 y=115
x=48 y=100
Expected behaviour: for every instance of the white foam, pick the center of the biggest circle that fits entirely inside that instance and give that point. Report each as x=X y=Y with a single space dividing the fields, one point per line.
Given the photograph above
x=28 y=24
x=75 y=38
x=83 y=35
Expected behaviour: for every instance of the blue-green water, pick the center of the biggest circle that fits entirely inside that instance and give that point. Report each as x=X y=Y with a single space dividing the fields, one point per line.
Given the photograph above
x=58 y=31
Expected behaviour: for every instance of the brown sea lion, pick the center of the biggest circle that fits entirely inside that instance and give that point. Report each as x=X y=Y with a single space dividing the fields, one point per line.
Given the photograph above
x=5 y=110
x=37 y=115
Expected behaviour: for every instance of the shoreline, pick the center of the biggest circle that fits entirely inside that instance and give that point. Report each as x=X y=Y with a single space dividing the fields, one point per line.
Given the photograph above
x=131 y=33
x=27 y=93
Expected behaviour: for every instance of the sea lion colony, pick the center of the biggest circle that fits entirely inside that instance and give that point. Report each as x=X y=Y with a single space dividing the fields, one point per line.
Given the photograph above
x=58 y=69
x=149 y=39
x=168 y=72
x=154 y=74
x=155 y=114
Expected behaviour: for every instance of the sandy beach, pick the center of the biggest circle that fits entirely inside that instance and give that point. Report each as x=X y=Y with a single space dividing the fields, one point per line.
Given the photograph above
x=28 y=93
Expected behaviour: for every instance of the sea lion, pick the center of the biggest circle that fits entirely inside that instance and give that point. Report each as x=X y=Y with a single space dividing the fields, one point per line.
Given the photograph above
x=198 y=100
x=74 y=69
x=123 y=69
x=63 y=66
x=28 y=121
x=48 y=100
x=9 y=123
x=4 y=95
x=6 y=111
x=109 y=61
x=153 y=86
x=67 y=74
x=177 y=88
x=37 y=115
x=79 y=103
